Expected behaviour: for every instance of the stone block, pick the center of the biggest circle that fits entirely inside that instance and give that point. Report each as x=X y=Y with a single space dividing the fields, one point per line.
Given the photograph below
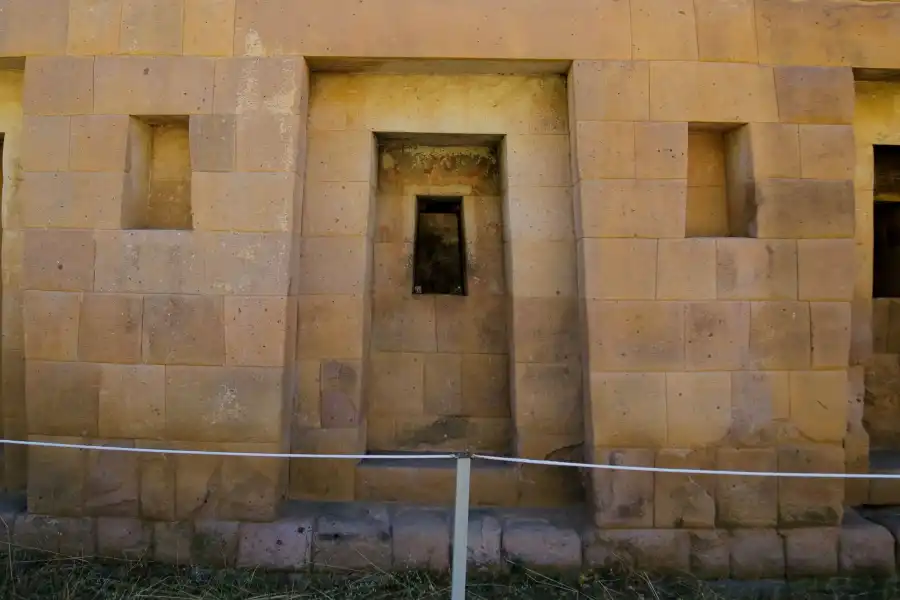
x=255 y=329
x=339 y=156
x=112 y=481
x=209 y=27
x=442 y=384
x=726 y=32
x=811 y=551
x=815 y=94
x=815 y=502
x=58 y=85
x=606 y=150
x=157 y=473
x=62 y=398
x=172 y=542
x=110 y=328
x=636 y=335
x=353 y=538
x=74 y=200
x=99 y=143
x=710 y=554
x=686 y=269
x=760 y=405
x=657 y=550
x=50 y=321
x=421 y=539
x=318 y=257
x=252 y=264
x=212 y=141
x=827 y=269
x=69 y=536
x=485 y=385
x=224 y=404
x=711 y=92
x=122 y=537
x=668 y=33
x=153 y=85
x=337 y=208
x=219 y=201
x=779 y=335
x=804 y=208
x=749 y=269
x=45 y=143
x=775 y=148
x=707 y=212
x=282 y=545
x=471 y=327
x=545 y=330
x=215 y=543
x=192 y=482
x=533 y=384
x=58 y=260
x=610 y=90
x=132 y=401
x=341 y=393
x=661 y=150
x=644 y=208
x=538 y=160
x=251 y=487
x=698 y=408
x=819 y=404
x=746 y=501
x=484 y=541
x=757 y=554
x=534 y=270
x=56 y=478
x=34 y=28
x=268 y=142
x=830 y=322
x=183 y=330
x=332 y=326
x=684 y=501
x=277 y=85
x=538 y=543
x=617 y=269
x=153 y=27
x=864 y=547
x=717 y=335
x=827 y=152
x=94 y=27
x=628 y=409
x=156 y=262
x=622 y=499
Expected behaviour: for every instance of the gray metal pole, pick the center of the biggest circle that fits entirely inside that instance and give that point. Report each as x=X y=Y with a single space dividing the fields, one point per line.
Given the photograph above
x=461 y=526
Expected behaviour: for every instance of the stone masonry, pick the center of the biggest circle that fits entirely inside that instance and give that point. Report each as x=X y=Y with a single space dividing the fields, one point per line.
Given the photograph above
x=208 y=232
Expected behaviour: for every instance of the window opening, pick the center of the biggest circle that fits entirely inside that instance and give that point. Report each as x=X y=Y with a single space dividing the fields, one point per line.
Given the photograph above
x=439 y=257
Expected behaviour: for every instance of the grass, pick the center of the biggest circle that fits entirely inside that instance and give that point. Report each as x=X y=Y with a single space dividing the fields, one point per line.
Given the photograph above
x=50 y=577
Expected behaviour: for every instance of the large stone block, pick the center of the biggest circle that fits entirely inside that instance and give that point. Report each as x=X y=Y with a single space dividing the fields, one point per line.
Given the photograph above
x=827 y=152
x=749 y=269
x=606 y=150
x=645 y=208
x=686 y=269
x=717 y=335
x=255 y=330
x=212 y=143
x=112 y=481
x=340 y=156
x=158 y=262
x=465 y=325
x=75 y=200
x=58 y=85
x=622 y=499
x=698 y=408
x=533 y=384
x=110 y=328
x=421 y=539
x=254 y=264
x=51 y=325
x=209 y=27
x=657 y=550
x=215 y=543
x=152 y=27
x=830 y=322
x=628 y=409
x=827 y=269
x=663 y=32
x=775 y=148
x=157 y=472
x=804 y=208
x=219 y=201
x=811 y=551
x=172 y=542
x=94 y=27
x=132 y=401
x=819 y=404
x=56 y=478
x=34 y=28
x=546 y=330
x=319 y=257
x=45 y=143
x=123 y=538
x=224 y=404
x=864 y=547
x=535 y=269
x=760 y=406
x=332 y=326
x=757 y=554
x=815 y=502
x=746 y=501
x=635 y=335
x=62 y=398
x=617 y=269
x=538 y=160
x=153 y=85
x=353 y=539
x=726 y=31
x=185 y=330
x=282 y=545
x=538 y=543
x=69 y=536
x=341 y=395
x=610 y=91
x=779 y=335
x=661 y=150
x=815 y=94
x=99 y=143
x=251 y=488
x=710 y=553
x=685 y=501
x=338 y=208
x=277 y=85
x=58 y=260
x=484 y=538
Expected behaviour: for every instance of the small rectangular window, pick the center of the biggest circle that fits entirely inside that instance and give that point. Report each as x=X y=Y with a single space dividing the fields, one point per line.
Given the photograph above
x=887 y=172
x=439 y=257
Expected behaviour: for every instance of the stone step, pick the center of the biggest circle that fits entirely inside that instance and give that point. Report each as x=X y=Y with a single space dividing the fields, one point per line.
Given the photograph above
x=433 y=482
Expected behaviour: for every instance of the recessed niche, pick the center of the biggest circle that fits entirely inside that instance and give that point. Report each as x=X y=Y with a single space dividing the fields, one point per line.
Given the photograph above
x=887 y=172
x=160 y=172
x=439 y=258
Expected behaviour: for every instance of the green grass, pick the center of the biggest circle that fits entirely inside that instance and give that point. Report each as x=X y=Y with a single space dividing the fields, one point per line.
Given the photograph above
x=49 y=577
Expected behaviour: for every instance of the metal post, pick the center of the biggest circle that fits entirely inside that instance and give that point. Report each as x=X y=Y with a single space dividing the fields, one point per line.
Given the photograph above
x=461 y=526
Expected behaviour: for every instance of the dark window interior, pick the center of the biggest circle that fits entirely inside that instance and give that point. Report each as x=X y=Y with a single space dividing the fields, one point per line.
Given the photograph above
x=886 y=215
x=439 y=259
x=887 y=172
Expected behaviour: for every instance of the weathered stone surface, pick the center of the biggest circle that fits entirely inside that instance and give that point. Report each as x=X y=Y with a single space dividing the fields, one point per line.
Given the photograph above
x=282 y=545
x=541 y=544
x=421 y=539
x=623 y=499
x=661 y=550
x=865 y=547
x=485 y=533
x=353 y=538
x=756 y=554
x=710 y=554
x=172 y=542
x=215 y=543
x=811 y=552
x=65 y=535
x=119 y=537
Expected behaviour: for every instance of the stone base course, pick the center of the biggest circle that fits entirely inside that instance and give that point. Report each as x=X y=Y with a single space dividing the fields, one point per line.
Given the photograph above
x=359 y=537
